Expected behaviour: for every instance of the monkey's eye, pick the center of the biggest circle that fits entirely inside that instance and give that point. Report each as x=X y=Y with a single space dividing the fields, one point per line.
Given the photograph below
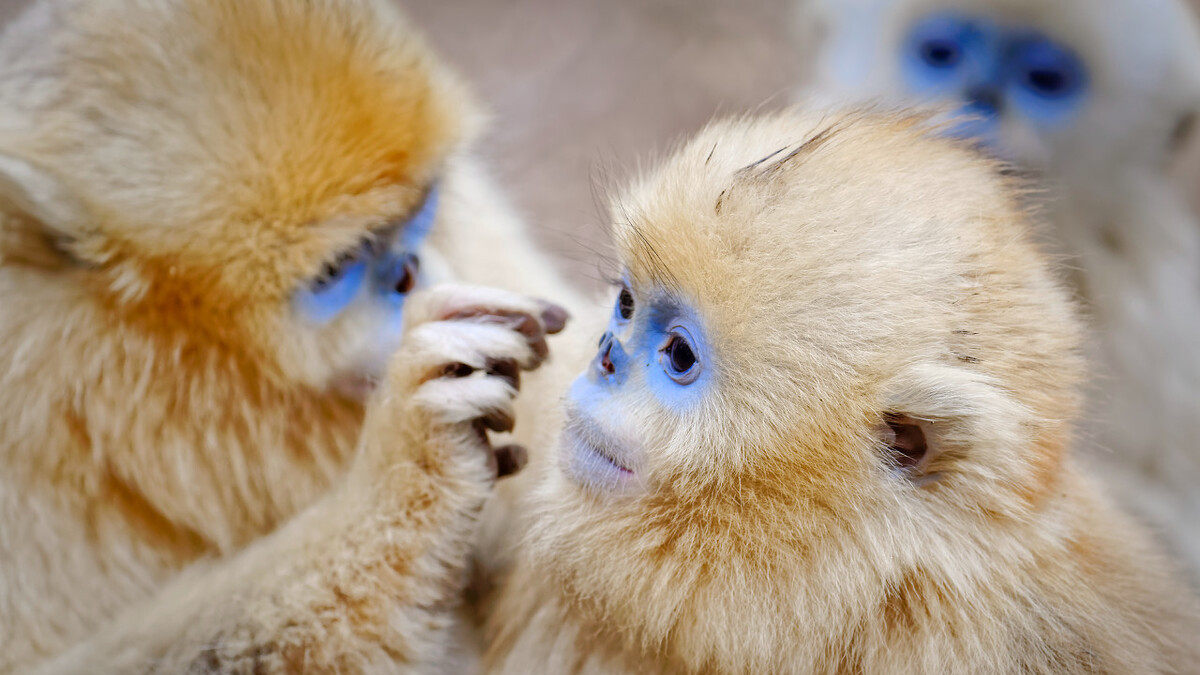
x=1048 y=80
x=337 y=284
x=935 y=49
x=1048 y=70
x=679 y=357
x=941 y=52
x=625 y=304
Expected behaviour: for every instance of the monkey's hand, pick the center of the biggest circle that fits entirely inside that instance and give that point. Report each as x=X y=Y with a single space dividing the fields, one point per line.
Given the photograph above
x=367 y=579
x=454 y=378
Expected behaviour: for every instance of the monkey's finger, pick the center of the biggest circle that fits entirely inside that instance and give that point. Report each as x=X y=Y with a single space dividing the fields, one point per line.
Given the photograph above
x=448 y=301
x=507 y=370
x=510 y=459
x=554 y=317
x=431 y=349
x=499 y=420
x=444 y=300
x=476 y=398
x=524 y=324
x=489 y=453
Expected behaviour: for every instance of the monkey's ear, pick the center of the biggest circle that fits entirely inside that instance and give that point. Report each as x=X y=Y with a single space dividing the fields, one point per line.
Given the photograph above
x=39 y=216
x=940 y=421
x=909 y=446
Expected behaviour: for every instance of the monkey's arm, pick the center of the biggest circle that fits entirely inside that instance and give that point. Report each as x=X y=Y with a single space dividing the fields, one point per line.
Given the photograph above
x=367 y=579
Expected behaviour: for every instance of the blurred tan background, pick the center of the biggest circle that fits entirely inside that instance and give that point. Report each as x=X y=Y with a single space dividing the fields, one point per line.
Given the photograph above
x=581 y=90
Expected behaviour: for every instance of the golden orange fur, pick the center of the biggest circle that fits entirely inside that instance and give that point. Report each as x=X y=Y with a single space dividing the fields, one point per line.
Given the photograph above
x=850 y=270
x=172 y=443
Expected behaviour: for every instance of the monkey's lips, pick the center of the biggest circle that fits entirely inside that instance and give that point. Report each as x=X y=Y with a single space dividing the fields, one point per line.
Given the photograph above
x=356 y=386
x=589 y=456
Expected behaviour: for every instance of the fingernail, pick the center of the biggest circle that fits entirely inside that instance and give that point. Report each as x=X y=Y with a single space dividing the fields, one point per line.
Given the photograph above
x=499 y=421
x=554 y=317
x=505 y=369
x=540 y=349
x=510 y=459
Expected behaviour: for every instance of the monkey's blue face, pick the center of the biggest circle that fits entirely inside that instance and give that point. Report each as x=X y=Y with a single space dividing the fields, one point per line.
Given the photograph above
x=995 y=71
x=384 y=269
x=367 y=285
x=652 y=361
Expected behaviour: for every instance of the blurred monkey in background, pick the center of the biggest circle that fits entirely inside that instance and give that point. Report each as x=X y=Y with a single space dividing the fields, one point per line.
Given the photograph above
x=212 y=215
x=1094 y=99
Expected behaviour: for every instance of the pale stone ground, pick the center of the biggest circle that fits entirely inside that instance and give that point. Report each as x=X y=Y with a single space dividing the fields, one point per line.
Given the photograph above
x=581 y=90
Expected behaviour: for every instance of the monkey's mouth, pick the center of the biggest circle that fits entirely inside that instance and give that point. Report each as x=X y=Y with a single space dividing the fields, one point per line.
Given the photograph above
x=356 y=386
x=588 y=456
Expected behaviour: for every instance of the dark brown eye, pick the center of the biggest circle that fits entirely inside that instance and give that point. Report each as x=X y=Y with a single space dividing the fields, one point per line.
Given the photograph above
x=941 y=53
x=625 y=304
x=680 y=353
x=408 y=275
x=679 y=358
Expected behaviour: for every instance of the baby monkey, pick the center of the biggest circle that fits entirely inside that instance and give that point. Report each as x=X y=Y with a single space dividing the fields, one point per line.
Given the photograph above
x=828 y=430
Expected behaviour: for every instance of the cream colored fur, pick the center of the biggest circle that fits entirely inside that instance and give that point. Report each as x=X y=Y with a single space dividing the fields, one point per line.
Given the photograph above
x=846 y=267
x=181 y=487
x=1133 y=245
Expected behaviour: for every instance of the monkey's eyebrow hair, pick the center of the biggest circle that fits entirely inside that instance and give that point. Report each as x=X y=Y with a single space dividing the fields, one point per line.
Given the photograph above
x=807 y=147
x=749 y=167
x=396 y=224
x=380 y=235
x=812 y=144
x=644 y=251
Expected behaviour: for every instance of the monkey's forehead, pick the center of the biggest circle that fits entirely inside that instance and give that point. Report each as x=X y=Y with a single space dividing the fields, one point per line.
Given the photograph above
x=759 y=190
x=846 y=212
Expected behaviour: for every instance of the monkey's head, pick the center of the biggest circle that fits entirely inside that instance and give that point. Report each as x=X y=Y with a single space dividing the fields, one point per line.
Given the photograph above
x=210 y=215
x=1064 y=84
x=259 y=178
x=834 y=359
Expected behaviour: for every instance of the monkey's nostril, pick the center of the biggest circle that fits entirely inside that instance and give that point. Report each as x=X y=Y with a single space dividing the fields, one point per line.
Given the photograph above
x=606 y=343
x=607 y=364
x=985 y=100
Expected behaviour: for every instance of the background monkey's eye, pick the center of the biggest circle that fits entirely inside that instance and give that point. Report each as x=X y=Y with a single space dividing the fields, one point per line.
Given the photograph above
x=937 y=51
x=941 y=52
x=1049 y=69
x=679 y=358
x=625 y=304
x=1049 y=83
x=337 y=284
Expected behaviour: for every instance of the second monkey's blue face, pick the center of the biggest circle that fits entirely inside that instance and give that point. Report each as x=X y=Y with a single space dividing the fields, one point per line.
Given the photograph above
x=996 y=72
x=652 y=364
x=351 y=311
x=380 y=271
